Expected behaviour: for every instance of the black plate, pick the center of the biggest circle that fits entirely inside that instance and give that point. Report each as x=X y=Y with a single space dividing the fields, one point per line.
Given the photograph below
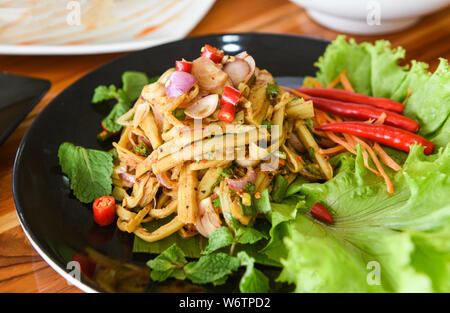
x=18 y=96
x=56 y=223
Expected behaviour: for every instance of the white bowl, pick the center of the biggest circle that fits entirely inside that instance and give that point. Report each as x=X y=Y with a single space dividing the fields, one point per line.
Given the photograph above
x=369 y=16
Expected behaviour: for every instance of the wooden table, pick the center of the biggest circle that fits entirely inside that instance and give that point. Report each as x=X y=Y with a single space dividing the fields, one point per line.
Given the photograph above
x=21 y=268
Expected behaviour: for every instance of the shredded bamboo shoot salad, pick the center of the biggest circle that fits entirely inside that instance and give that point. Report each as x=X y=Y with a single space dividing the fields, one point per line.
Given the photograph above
x=204 y=140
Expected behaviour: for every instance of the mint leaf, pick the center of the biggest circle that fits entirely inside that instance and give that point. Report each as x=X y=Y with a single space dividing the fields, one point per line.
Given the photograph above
x=103 y=93
x=88 y=170
x=133 y=83
x=119 y=109
x=248 y=235
x=211 y=268
x=220 y=238
x=170 y=263
x=253 y=280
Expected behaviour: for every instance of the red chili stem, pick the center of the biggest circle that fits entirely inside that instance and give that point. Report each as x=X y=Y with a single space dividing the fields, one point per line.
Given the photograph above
x=364 y=112
x=348 y=96
x=387 y=135
x=321 y=213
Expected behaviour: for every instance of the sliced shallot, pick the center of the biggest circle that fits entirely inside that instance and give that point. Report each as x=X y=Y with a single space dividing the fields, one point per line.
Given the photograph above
x=209 y=75
x=296 y=144
x=178 y=83
x=237 y=70
x=165 y=181
x=239 y=184
x=207 y=219
x=203 y=107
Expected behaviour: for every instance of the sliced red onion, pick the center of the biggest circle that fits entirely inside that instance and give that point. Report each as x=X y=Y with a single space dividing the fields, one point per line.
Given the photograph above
x=203 y=107
x=127 y=179
x=250 y=61
x=237 y=70
x=296 y=144
x=209 y=75
x=239 y=184
x=165 y=181
x=178 y=83
x=207 y=219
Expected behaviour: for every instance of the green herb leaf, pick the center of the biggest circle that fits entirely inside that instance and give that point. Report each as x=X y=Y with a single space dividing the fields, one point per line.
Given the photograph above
x=88 y=170
x=220 y=238
x=279 y=188
x=253 y=280
x=262 y=204
x=179 y=114
x=248 y=235
x=119 y=109
x=272 y=91
x=211 y=268
x=133 y=83
x=170 y=263
x=103 y=93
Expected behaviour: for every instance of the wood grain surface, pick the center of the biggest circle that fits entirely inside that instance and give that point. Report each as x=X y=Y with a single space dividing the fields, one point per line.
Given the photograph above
x=21 y=268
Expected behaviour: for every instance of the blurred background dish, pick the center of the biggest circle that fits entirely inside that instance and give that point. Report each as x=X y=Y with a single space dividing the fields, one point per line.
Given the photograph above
x=371 y=16
x=96 y=26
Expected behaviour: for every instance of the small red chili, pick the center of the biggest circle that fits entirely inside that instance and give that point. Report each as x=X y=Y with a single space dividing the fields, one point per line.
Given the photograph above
x=183 y=66
x=212 y=53
x=319 y=212
x=104 y=209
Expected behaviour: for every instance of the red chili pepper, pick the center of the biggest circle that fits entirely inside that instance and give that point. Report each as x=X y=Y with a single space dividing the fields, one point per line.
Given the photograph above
x=387 y=135
x=183 y=66
x=227 y=112
x=319 y=212
x=230 y=95
x=104 y=209
x=364 y=112
x=348 y=96
x=212 y=53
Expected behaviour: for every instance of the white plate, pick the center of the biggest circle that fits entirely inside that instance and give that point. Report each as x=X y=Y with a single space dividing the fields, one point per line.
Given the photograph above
x=38 y=27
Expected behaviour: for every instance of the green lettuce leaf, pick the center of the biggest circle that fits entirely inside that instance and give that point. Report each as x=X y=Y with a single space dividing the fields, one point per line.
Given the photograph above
x=373 y=69
x=385 y=243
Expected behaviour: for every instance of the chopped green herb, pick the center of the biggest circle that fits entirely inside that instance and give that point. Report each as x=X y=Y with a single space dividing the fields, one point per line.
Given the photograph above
x=267 y=124
x=272 y=91
x=179 y=114
x=142 y=149
x=216 y=203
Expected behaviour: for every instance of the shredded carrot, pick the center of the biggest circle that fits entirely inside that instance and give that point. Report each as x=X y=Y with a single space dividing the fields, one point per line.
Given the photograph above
x=387 y=160
x=345 y=82
x=335 y=81
x=295 y=92
x=390 y=186
x=380 y=119
x=340 y=141
x=408 y=93
x=331 y=150
x=311 y=81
